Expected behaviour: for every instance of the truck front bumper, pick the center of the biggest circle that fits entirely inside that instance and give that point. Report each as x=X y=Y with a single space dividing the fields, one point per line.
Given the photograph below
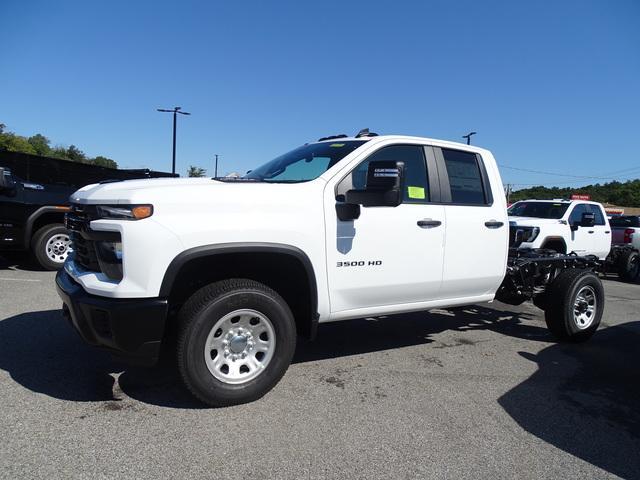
x=129 y=328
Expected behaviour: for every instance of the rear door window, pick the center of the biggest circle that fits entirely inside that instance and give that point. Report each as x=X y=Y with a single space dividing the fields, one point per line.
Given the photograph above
x=465 y=177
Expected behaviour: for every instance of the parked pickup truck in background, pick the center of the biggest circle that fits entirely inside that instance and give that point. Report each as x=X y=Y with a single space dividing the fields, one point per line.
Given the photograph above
x=626 y=230
x=34 y=197
x=226 y=272
x=625 y=251
x=564 y=226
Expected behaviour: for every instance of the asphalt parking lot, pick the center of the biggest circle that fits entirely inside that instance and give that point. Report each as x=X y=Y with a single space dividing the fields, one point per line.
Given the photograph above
x=481 y=392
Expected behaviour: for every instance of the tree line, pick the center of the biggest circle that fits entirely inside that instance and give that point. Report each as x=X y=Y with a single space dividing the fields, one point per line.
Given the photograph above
x=38 y=144
x=624 y=194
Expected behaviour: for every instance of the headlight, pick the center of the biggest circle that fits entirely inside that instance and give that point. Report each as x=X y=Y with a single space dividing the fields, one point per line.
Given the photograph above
x=533 y=233
x=125 y=212
x=519 y=235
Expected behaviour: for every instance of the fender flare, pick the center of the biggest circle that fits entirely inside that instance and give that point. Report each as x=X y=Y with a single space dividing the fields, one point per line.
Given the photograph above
x=245 y=247
x=31 y=219
x=555 y=238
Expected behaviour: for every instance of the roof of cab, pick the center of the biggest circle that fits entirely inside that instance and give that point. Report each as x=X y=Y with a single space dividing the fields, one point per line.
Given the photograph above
x=405 y=138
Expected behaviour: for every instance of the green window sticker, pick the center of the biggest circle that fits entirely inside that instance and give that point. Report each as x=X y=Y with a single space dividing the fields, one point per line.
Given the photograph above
x=416 y=192
x=337 y=145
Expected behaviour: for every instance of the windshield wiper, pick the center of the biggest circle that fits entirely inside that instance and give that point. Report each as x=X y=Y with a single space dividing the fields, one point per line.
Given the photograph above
x=266 y=180
x=237 y=179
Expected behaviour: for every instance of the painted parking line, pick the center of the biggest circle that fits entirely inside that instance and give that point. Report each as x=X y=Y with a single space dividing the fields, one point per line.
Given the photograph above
x=20 y=279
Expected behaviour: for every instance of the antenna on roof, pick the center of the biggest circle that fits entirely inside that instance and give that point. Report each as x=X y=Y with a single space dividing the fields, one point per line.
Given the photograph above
x=366 y=133
x=468 y=137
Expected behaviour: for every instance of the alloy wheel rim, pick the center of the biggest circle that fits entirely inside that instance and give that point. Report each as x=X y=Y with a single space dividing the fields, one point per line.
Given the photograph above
x=239 y=346
x=584 y=307
x=58 y=247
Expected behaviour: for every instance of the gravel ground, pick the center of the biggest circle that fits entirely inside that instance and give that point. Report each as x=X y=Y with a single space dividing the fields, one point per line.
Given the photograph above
x=474 y=393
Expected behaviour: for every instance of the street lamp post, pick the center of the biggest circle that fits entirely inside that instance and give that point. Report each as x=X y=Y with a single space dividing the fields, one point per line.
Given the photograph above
x=175 y=111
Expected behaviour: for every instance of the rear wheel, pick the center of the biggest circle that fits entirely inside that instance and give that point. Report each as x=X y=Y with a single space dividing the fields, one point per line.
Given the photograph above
x=573 y=305
x=236 y=341
x=51 y=246
x=629 y=266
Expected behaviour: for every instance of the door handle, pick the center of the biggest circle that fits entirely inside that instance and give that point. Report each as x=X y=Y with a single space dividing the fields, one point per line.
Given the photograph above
x=493 y=224
x=428 y=223
x=590 y=231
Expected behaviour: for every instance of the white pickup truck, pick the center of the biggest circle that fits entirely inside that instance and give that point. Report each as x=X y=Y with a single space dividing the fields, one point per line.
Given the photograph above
x=562 y=225
x=341 y=228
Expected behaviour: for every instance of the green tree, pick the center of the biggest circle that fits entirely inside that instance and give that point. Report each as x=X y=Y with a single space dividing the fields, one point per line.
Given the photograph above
x=15 y=143
x=103 y=162
x=196 y=171
x=75 y=154
x=58 y=152
x=40 y=144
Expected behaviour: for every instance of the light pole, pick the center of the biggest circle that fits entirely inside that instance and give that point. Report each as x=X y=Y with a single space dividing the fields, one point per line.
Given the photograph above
x=175 y=111
x=468 y=137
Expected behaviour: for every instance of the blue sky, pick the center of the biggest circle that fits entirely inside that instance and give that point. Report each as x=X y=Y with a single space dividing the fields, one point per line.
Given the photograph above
x=552 y=86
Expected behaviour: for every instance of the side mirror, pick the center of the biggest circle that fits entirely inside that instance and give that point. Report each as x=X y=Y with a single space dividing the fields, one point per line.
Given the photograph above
x=6 y=179
x=588 y=220
x=347 y=211
x=385 y=180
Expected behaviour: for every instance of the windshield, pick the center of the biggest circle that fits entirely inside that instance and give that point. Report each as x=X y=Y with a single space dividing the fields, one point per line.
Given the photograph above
x=538 y=209
x=304 y=163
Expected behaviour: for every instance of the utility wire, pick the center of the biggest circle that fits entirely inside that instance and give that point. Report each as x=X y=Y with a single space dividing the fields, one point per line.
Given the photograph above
x=625 y=170
x=539 y=184
x=555 y=174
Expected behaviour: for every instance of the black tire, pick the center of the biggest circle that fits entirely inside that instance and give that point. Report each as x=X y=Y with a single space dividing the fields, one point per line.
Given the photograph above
x=629 y=266
x=196 y=320
x=540 y=301
x=39 y=246
x=560 y=303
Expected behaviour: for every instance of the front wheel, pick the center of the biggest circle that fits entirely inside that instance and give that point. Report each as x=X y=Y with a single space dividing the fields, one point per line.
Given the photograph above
x=236 y=341
x=574 y=305
x=51 y=246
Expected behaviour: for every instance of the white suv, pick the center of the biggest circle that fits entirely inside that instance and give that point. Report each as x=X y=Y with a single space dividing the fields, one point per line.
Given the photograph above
x=565 y=226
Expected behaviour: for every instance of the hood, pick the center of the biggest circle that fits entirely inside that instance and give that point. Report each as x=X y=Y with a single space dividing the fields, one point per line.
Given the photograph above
x=121 y=191
x=167 y=194
x=533 y=222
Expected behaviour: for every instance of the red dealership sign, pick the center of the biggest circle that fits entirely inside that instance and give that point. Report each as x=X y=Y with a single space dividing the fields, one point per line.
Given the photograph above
x=580 y=196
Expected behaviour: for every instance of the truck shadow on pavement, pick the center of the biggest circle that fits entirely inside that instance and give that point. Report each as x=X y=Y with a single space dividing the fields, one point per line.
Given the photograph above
x=41 y=352
x=18 y=261
x=583 y=399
